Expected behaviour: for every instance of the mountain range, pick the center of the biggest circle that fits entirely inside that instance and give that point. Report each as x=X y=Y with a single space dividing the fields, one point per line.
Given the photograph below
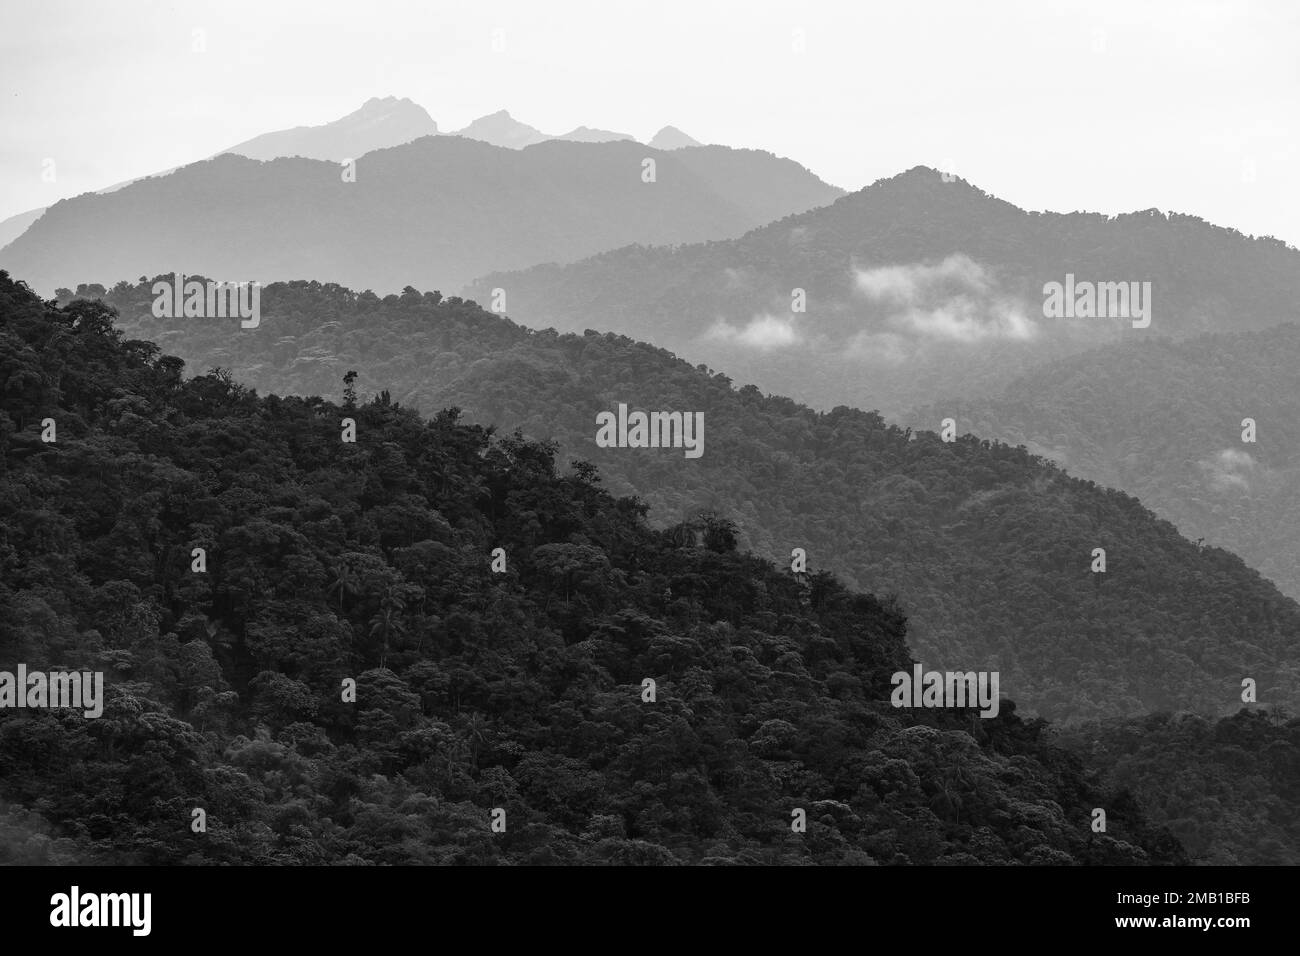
x=988 y=549
x=435 y=211
x=916 y=289
x=380 y=122
x=502 y=129
x=925 y=299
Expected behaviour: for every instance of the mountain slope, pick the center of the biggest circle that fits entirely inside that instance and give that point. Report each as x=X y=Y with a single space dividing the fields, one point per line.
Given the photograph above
x=1163 y=421
x=989 y=549
x=434 y=212
x=480 y=697
x=1230 y=789
x=913 y=288
x=14 y=226
x=764 y=185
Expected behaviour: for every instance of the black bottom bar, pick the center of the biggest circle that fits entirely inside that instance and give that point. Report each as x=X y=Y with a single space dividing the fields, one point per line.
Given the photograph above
x=492 y=905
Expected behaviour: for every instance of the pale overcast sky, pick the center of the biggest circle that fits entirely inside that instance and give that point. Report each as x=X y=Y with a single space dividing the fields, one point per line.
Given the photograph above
x=1106 y=106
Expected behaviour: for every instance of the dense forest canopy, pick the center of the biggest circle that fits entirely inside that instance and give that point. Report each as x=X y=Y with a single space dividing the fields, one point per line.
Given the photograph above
x=522 y=690
x=1229 y=789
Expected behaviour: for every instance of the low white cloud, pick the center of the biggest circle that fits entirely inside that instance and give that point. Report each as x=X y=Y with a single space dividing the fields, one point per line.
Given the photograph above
x=963 y=319
x=955 y=300
x=735 y=280
x=908 y=284
x=1231 y=469
x=763 y=332
x=881 y=348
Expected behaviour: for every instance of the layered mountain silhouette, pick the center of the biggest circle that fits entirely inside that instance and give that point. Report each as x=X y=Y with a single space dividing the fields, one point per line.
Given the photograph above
x=989 y=549
x=502 y=129
x=914 y=289
x=436 y=211
x=1164 y=420
x=14 y=226
x=379 y=123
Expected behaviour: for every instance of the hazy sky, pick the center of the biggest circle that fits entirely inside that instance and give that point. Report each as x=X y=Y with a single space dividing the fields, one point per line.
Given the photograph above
x=1105 y=106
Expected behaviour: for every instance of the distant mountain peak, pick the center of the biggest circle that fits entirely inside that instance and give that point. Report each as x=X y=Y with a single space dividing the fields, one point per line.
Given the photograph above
x=502 y=129
x=922 y=174
x=670 y=137
x=387 y=105
x=586 y=134
x=925 y=183
x=379 y=122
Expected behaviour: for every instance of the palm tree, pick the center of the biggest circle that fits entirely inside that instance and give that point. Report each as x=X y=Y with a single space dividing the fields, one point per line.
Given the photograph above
x=344 y=580
x=476 y=728
x=389 y=619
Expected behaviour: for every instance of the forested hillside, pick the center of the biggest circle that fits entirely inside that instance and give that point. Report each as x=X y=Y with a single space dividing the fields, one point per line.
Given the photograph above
x=329 y=561
x=913 y=289
x=989 y=549
x=1229 y=789
x=1165 y=421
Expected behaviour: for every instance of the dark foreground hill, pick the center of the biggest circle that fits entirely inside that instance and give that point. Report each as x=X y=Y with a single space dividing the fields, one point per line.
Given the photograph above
x=989 y=549
x=520 y=691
